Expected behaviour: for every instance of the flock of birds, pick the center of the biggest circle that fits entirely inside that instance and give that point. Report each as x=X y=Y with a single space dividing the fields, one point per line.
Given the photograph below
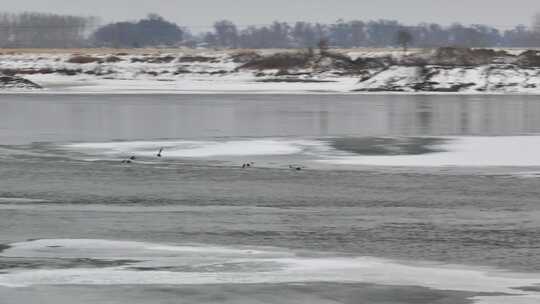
x=130 y=159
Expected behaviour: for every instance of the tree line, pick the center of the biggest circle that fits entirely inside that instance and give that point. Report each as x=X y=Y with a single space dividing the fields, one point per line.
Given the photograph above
x=28 y=30
x=50 y=30
x=152 y=31
x=381 y=33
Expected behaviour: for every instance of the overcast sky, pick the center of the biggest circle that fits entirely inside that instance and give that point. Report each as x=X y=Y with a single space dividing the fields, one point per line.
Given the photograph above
x=199 y=14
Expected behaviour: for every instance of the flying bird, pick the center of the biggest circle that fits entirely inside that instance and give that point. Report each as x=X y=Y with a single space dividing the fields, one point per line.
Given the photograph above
x=159 y=153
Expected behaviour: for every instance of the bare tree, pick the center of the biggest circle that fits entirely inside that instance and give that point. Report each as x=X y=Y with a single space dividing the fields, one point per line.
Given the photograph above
x=404 y=39
x=536 y=23
x=358 y=34
x=536 y=27
x=226 y=34
x=43 y=30
x=323 y=46
x=303 y=35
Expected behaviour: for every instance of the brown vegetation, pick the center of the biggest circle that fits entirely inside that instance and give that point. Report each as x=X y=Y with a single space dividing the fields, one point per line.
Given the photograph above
x=112 y=59
x=12 y=72
x=323 y=62
x=162 y=59
x=246 y=56
x=294 y=80
x=154 y=59
x=529 y=58
x=279 y=61
x=186 y=59
x=451 y=56
x=83 y=59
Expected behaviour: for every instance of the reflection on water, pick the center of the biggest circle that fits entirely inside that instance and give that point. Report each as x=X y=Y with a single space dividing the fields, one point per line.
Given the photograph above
x=30 y=118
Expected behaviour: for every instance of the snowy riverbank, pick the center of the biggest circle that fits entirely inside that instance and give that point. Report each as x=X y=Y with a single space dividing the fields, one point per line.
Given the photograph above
x=448 y=70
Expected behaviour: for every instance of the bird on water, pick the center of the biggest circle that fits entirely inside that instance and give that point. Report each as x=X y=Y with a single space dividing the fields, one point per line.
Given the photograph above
x=129 y=160
x=247 y=165
x=295 y=167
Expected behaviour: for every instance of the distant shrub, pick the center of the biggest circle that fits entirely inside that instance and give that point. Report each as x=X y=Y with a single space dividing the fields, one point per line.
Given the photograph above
x=112 y=59
x=452 y=56
x=150 y=59
x=83 y=59
x=138 y=59
x=196 y=59
x=152 y=73
x=279 y=61
x=243 y=57
x=181 y=71
x=151 y=31
x=69 y=72
x=162 y=59
x=529 y=58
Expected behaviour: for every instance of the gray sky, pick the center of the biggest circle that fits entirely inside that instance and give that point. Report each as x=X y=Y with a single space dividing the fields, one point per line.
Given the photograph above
x=202 y=13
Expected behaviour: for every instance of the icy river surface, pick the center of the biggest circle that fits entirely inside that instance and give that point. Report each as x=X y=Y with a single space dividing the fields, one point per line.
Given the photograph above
x=341 y=199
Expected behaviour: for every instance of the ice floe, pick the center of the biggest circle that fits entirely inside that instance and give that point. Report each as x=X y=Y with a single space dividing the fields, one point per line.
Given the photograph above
x=152 y=263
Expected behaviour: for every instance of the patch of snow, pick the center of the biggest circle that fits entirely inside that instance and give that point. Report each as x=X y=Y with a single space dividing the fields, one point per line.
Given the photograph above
x=201 y=264
x=201 y=149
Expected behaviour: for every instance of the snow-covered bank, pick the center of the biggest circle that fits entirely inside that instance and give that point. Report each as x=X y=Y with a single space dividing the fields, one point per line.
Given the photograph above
x=421 y=71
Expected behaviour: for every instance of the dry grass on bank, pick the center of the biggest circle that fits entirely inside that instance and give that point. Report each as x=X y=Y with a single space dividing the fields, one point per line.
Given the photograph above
x=142 y=51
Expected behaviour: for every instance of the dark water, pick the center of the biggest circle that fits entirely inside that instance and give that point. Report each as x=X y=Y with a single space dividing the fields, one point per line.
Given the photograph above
x=53 y=118
x=473 y=220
